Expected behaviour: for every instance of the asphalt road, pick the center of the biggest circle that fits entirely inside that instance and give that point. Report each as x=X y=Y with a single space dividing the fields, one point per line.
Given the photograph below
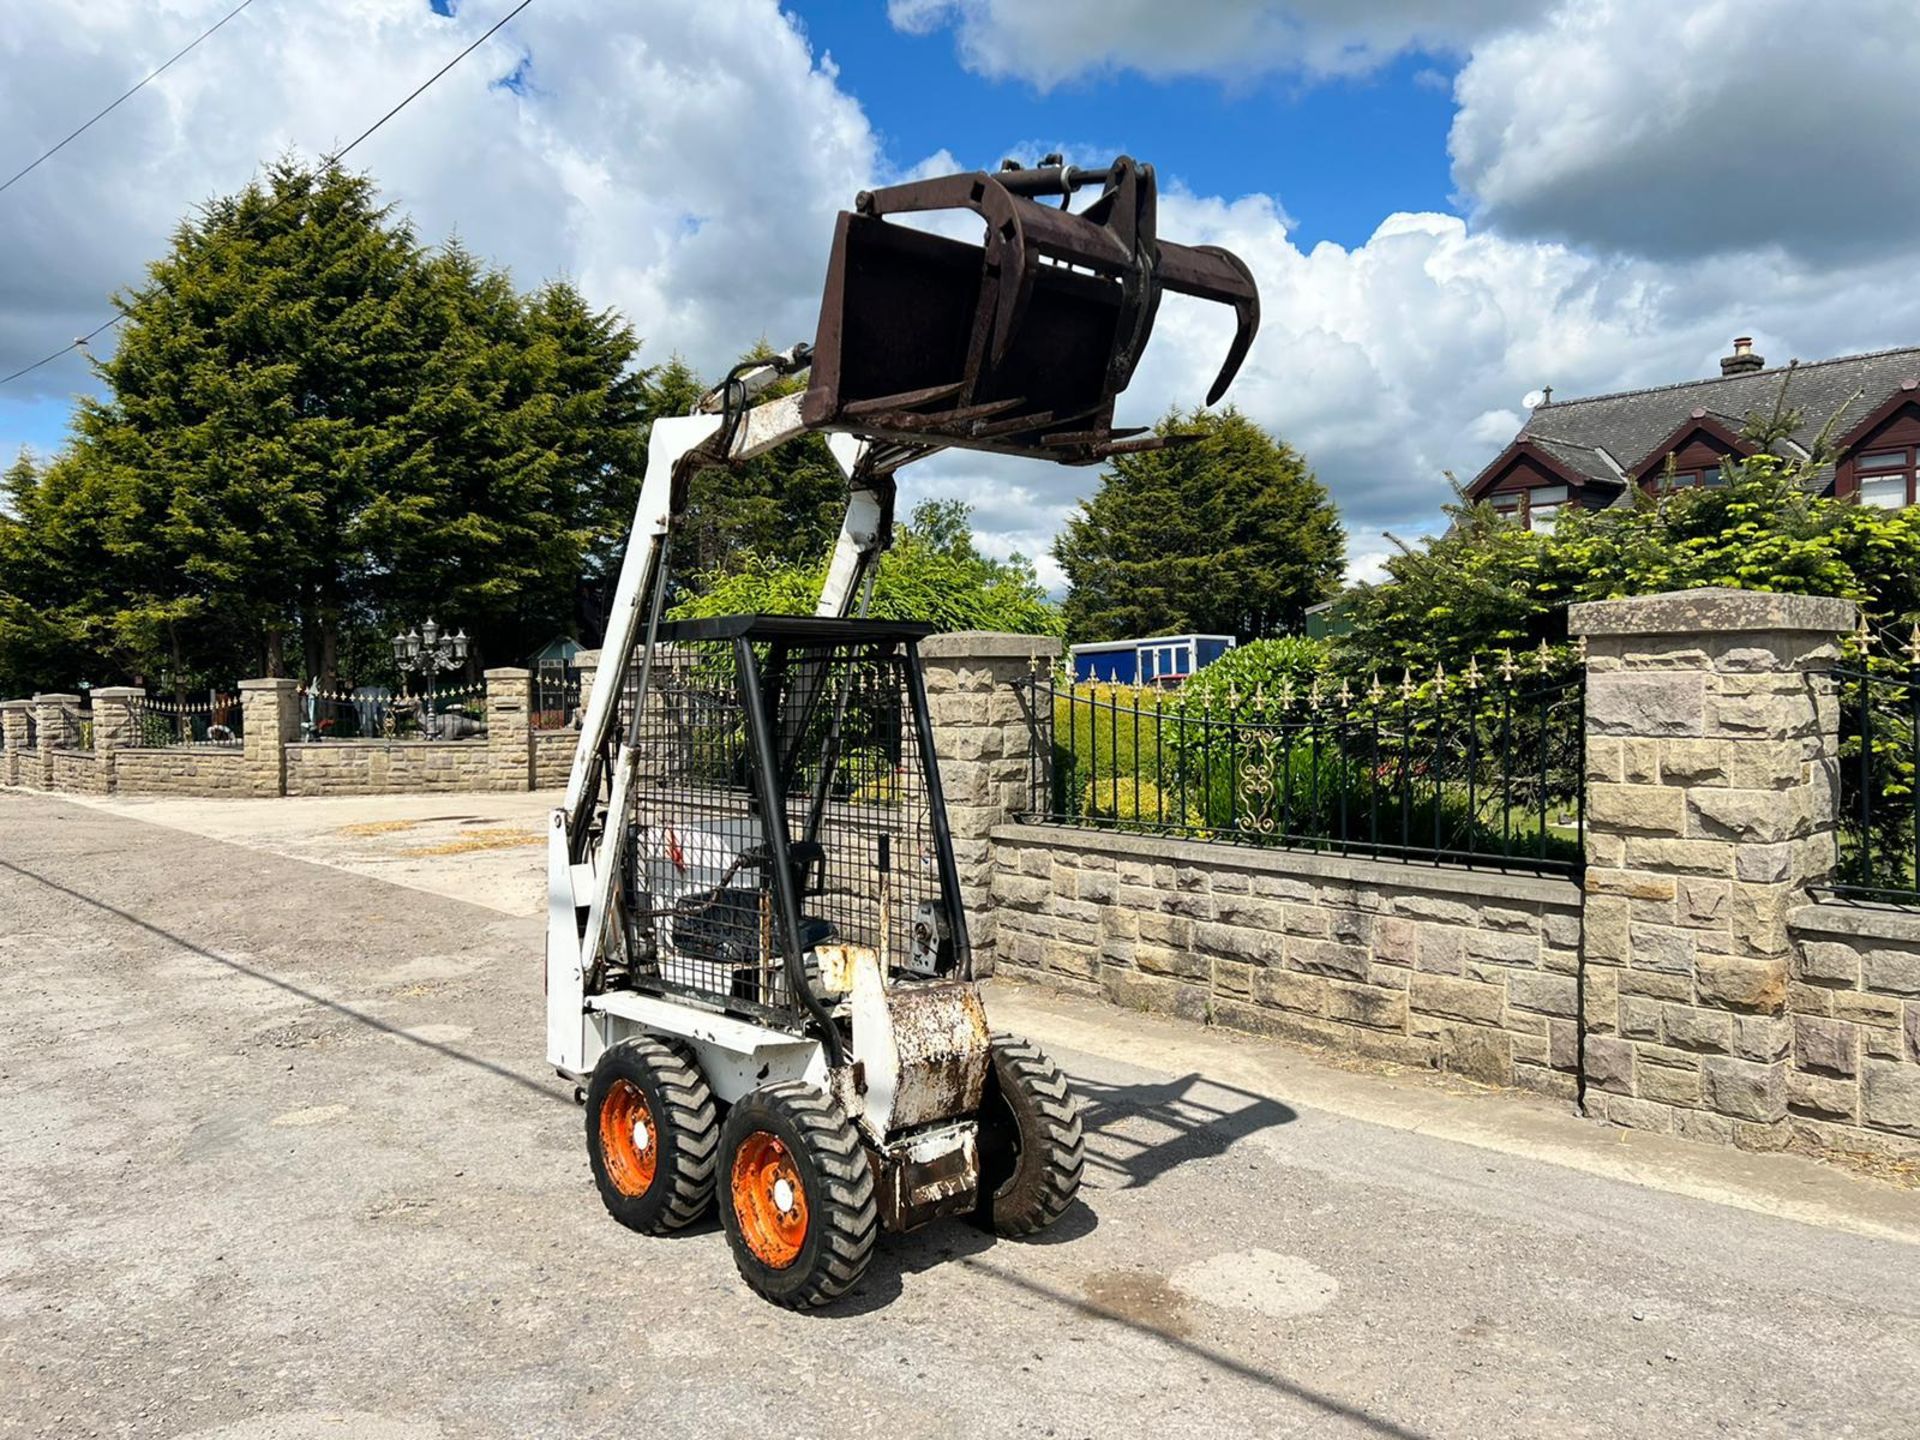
x=281 y=1160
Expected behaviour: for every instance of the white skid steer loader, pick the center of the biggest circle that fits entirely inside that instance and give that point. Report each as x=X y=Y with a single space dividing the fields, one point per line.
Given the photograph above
x=758 y=973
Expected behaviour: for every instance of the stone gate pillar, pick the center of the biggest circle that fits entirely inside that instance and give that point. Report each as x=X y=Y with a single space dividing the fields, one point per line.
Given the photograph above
x=1712 y=777
x=56 y=723
x=510 y=728
x=270 y=710
x=116 y=717
x=16 y=718
x=981 y=738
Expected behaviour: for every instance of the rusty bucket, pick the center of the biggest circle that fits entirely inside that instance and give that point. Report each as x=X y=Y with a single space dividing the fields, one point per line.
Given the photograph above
x=1020 y=343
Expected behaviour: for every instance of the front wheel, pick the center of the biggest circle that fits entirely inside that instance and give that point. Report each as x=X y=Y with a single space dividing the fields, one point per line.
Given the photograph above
x=1031 y=1150
x=652 y=1134
x=796 y=1195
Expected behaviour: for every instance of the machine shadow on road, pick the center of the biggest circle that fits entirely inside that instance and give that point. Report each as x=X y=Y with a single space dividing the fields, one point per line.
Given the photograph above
x=338 y=1007
x=1137 y=1133
x=1134 y=1135
x=1082 y=1306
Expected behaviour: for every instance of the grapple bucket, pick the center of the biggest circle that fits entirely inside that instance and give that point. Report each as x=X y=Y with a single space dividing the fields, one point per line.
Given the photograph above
x=1018 y=344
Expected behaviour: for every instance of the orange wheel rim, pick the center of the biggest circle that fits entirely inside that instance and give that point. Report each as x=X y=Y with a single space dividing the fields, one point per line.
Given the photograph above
x=628 y=1141
x=768 y=1199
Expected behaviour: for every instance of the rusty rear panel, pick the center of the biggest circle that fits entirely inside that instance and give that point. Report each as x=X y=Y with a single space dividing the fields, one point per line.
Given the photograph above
x=940 y=1031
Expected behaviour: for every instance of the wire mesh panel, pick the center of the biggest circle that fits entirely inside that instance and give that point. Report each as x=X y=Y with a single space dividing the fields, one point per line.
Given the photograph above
x=821 y=787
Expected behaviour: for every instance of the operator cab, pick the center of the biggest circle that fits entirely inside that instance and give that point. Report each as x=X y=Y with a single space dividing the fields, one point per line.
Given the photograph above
x=785 y=818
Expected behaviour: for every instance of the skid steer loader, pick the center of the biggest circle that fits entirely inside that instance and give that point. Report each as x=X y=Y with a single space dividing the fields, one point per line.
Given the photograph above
x=758 y=973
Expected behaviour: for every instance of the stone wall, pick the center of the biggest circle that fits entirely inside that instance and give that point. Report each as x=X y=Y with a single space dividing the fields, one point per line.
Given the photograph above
x=387 y=767
x=80 y=772
x=180 y=770
x=1854 y=1000
x=1464 y=970
x=39 y=740
x=553 y=758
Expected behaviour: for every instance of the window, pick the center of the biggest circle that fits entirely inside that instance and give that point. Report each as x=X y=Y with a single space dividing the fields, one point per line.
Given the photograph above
x=1543 y=503
x=1884 y=478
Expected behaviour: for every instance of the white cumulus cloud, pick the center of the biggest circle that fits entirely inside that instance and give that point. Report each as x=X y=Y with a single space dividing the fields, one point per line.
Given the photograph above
x=1054 y=42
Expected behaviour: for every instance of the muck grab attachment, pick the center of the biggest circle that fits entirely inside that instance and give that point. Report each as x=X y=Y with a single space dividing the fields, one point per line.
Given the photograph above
x=1021 y=343
x=758 y=970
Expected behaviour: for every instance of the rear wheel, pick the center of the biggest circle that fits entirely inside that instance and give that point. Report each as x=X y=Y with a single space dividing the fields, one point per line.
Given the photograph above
x=796 y=1196
x=1031 y=1150
x=652 y=1136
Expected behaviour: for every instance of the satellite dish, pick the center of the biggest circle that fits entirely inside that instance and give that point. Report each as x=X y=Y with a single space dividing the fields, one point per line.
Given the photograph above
x=1531 y=400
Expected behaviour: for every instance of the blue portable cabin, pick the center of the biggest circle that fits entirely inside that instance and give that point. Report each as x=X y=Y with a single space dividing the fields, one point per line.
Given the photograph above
x=1156 y=660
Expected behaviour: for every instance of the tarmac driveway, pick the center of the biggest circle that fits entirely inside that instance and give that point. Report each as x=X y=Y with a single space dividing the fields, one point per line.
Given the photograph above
x=281 y=1159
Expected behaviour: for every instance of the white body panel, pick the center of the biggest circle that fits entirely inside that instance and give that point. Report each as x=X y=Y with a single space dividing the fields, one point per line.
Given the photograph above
x=736 y=1056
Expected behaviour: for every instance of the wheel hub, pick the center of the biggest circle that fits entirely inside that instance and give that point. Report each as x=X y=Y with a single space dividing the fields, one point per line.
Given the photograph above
x=769 y=1202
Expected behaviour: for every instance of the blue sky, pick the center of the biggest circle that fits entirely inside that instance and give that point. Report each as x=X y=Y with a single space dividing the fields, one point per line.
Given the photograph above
x=1446 y=207
x=1338 y=155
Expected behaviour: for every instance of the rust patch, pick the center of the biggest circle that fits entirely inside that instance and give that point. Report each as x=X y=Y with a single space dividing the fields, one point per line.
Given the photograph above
x=1140 y=1297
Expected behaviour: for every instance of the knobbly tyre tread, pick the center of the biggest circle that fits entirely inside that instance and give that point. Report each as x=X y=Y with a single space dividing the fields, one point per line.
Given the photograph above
x=689 y=1134
x=844 y=1218
x=1038 y=1181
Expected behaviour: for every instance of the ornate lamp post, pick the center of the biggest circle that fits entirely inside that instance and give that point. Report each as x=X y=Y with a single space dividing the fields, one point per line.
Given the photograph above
x=428 y=651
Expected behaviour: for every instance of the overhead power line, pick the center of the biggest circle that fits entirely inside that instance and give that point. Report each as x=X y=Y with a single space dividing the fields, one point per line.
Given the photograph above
x=328 y=160
x=101 y=115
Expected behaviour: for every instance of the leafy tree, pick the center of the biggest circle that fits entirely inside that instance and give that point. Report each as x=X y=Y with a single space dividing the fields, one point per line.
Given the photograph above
x=1488 y=585
x=934 y=573
x=1230 y=534
x=315 y=427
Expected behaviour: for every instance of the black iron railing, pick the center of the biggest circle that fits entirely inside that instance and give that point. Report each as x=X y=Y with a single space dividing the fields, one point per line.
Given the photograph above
x=1485 y=768
x=375 y=712
x=167 y=720
x=1879 y=845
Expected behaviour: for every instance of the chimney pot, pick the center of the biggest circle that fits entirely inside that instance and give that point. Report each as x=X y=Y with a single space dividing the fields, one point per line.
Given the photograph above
x=1742 y=360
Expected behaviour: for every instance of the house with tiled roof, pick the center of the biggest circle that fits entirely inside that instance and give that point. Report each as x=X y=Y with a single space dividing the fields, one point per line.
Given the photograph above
x=1597 y=450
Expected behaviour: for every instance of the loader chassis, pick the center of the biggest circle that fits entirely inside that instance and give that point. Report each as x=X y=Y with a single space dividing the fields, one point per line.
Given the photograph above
x=758 y=972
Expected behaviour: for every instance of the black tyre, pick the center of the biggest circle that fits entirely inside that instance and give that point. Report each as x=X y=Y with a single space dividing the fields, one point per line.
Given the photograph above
x=652 y=1136
x=796 y=1195
x=1031 y=1150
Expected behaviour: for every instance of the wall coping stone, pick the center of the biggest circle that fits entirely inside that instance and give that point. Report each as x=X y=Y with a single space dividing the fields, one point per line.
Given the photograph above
x=234 y=750
x=475 y=743
x=1477 y=884
x=1711 y=610
x=586 y=659
x=119 y=692
x=270 y=682
x=989 y=645
x=16 y=704
x=507 y=672
x=1876 y=922
x=60 y=696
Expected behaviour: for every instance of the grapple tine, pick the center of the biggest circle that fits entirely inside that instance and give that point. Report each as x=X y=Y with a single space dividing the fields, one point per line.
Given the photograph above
x=1211 y=273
